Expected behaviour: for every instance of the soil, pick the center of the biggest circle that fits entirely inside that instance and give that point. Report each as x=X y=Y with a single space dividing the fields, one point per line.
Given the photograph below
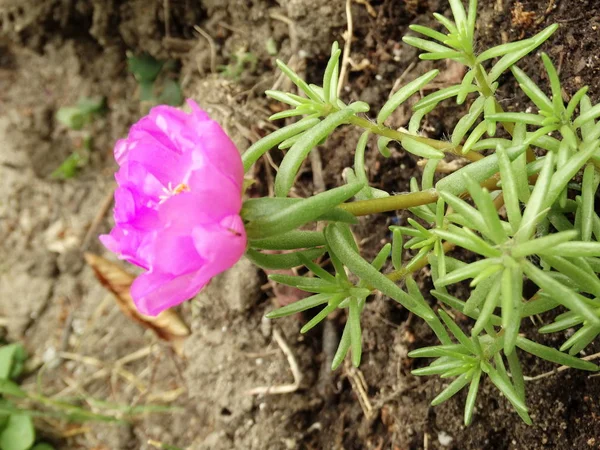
x=54 y=52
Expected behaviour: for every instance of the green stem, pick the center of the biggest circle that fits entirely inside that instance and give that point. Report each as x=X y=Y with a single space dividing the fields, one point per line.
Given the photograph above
x=399 y=135
x=482 y=81
x=399 y=274
x=391 y=203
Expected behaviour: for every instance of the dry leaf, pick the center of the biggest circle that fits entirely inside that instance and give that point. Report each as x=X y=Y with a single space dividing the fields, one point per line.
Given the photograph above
x=167 y=325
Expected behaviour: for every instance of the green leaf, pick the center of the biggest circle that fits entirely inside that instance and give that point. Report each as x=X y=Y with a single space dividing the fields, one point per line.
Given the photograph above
x=18 y=433
x=381 y=257
x=525 y=118
x=459 y=14
x=507 y=389
x=72 y=117
x=147 y=91
x=334 y=302
x=471 y=19
x=450 y=26
x=462 y=238
x=472 y=396
x=7 y=357
x=456 y=331
x=441 y=366
x=467 y=121
x=486 y=207
x=531 y=89
x=171 y=93
x=355 y=332
x=284 y=260
x=287 y=113
x=575 y=100
x=479 y=294
x=589 y=186
x=545 y=245
x=560 y=293
x=553 y=355
x=592 y=114
x=479 y=171
x=487 y=310
x=428 y=46
x=260 y=147
x=287 y=98
x=144 y=68
x=508 y=60
x=359 y=160
x=573 y=249
x=538 y=305
x=357 y=265
x=489 y=108
x=290 y=241
x=402 y=95
x=586 y=281
x=42 y=446
x=382 y=146
x=469 y=271
x=509 y=188
x=537 y=200
x=8 y=387
x=581 y=339
x=257 y=208
x=557 y=101
x=421 y=149
x=299 y=306
x=298 y=81
x=470 y=215
x=452 y=388
x=297 y=154
x=503 y=49
x=474 y=137
x=342 y=349
x=304 y=282
x=397 y=247
x=301 y=212
x=431 y=100
x=512 y=292
x=516 y=372
x=68 y=168
x=565 y=173
x=428 y=32
x=330 y=75
x=91 y=105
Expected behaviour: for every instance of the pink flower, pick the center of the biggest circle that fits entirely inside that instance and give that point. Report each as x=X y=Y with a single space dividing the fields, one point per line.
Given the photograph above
x=177 y=205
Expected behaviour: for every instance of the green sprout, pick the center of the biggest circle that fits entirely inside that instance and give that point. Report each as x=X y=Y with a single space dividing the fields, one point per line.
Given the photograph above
x=19 y=407
x=522 y=207
x=78 y=118
x=243 y=61
x=154 y=88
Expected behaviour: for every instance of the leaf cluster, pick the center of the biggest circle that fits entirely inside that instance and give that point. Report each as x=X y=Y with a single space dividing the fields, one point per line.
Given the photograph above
x=17 y=431
x=523 y=207
x=155 y=80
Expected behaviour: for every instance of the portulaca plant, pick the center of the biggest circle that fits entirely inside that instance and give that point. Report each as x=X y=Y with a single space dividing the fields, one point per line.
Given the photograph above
x=523 y=205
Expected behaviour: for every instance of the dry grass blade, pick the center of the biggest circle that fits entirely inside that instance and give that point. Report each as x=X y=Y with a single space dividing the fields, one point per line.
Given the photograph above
x=167 y=325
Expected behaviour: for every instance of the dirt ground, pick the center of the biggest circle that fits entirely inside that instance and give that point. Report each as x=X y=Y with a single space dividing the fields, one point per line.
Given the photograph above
x=53 y=52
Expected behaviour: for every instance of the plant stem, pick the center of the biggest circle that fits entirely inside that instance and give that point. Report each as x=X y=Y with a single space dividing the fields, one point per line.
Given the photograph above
x=398 y=135
x=399 y=274
x=482 y=81
x=391 y=203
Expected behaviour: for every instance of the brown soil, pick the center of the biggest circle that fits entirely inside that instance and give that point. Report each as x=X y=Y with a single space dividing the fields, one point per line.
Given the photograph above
x=56 y=51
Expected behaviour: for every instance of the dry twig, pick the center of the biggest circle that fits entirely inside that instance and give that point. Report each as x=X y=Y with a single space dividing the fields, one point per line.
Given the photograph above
x=347 y=47
x=282 y=388
x=213 y=49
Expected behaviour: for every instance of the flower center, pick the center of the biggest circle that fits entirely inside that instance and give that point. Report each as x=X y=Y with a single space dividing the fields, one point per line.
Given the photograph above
x=169 y=191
